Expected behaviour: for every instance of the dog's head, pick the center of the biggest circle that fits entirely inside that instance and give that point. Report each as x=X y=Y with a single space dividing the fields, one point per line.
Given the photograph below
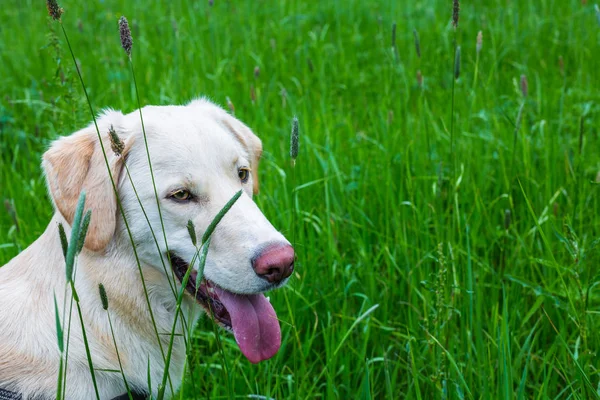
x=201 y=156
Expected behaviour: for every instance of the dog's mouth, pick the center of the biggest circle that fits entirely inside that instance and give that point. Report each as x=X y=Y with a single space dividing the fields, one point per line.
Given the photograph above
x=250 y=317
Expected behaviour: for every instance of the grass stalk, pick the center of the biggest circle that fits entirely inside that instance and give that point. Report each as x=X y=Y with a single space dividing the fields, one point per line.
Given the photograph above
x=455 y=73
x=452 y=160
x=85 y=340
x=479 y=45
x=61 y=348
x=230 y=393
x=104 y=299
x=162 y=224
x=205 y=244
x=107 y=164
x=154 y=238
x=78 y=233
x=515 y=137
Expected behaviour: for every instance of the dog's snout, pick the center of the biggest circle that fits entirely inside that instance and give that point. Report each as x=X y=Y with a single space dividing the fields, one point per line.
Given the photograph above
x=275 y=263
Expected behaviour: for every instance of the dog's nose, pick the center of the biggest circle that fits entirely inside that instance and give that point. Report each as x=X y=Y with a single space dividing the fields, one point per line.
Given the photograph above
x=275 y=263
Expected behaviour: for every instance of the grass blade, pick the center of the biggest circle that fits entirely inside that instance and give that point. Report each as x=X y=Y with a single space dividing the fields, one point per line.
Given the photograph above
x=61 y=347
x=220 y=216
x=75 y=230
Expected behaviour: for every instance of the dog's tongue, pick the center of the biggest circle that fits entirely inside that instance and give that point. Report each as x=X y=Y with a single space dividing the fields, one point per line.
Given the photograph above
x=254 y=322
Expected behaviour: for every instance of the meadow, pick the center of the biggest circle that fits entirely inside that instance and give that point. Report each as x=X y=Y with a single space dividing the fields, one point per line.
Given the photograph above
x=444 y=204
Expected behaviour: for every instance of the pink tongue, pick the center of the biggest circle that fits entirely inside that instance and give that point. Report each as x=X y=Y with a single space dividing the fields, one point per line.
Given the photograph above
x=254 y=322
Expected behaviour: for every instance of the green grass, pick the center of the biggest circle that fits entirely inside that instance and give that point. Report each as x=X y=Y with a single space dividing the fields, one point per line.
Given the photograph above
x=473 y=301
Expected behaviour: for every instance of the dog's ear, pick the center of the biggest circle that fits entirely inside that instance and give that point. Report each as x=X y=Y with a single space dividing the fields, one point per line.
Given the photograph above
x=75 y=163
x=250 y=141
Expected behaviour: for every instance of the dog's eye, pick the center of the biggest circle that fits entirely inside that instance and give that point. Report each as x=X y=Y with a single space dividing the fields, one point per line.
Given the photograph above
x=181 y=195
x=244 y=174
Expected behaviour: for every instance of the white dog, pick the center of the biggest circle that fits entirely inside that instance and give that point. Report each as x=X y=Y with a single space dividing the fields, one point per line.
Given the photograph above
x=201 y=156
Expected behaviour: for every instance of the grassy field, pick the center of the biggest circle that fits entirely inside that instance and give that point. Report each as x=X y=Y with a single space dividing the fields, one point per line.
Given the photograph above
x=446 y=228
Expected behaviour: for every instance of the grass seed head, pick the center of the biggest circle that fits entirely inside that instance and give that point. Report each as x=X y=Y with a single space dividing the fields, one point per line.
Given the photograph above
x=417 y=43
x=420 y=78
x=116 y=144
x=561 y=65
x=524 y=85
x=12 y=212
x=192 y=232
x=294 y=139
x=54 y=9
x=126 y=40
x=84 y=228
x=479 y=41
x=455 y=13
x=394 y=49
x=457 y=63
x=256 y=71
x=103 y=296
x=63 y=239
x=230 y=105
x=283 y=95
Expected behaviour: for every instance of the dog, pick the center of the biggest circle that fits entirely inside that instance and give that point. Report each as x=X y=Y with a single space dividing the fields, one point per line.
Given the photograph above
x=200 y=157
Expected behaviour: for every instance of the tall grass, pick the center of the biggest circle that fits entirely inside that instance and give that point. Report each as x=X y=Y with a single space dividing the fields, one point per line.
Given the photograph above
x=517 y=311
x=71 y=248
x=55 y=12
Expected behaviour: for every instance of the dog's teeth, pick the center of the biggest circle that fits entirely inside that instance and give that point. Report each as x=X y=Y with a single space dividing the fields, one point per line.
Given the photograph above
x=268 y=298
x=211 y=290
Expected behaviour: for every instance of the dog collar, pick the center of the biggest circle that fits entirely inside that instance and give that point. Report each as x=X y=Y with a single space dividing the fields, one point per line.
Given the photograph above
x=8 y=395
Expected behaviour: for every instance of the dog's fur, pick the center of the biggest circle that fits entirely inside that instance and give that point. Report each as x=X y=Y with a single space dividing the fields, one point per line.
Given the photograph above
x=197 y=146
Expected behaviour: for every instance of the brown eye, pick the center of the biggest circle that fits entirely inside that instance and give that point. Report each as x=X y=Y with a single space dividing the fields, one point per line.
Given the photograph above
x=244 y=174
x=181 y=195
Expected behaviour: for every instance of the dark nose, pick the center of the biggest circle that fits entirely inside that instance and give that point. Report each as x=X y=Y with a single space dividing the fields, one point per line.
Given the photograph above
x=275 y=263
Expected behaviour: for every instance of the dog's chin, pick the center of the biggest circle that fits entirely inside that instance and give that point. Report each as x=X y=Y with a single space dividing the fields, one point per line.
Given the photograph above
x=250 y=317
x=204 y=293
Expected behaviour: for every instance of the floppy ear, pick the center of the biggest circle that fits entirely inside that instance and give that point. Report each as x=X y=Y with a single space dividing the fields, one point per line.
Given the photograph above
x=75 y=163
x=250 y=141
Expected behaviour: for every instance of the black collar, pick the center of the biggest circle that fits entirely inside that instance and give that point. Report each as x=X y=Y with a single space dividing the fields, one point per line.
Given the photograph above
x=8 y=395
x=135 y=395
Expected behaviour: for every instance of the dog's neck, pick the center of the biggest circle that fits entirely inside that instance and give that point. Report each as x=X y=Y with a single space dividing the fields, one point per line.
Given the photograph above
x=130 y=283
x=41 y=267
